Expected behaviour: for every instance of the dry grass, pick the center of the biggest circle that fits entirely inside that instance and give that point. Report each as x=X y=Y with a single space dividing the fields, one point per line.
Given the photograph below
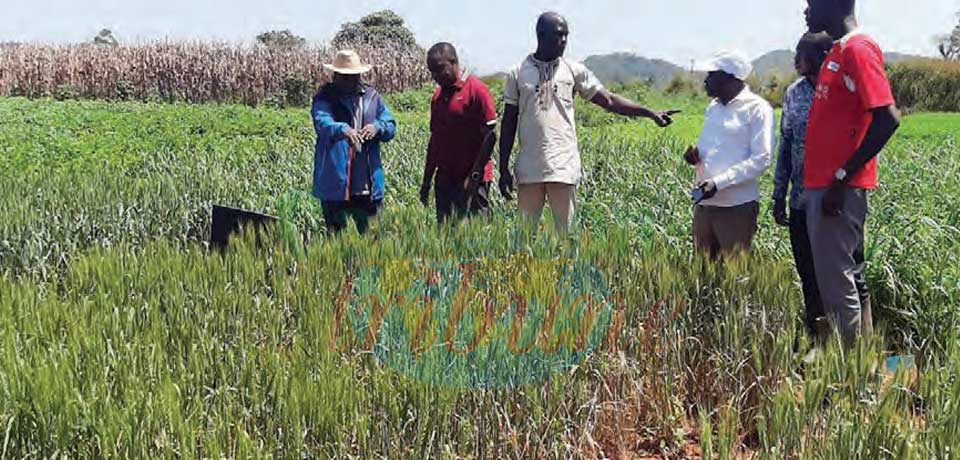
x=189 y=72
x=926 y=85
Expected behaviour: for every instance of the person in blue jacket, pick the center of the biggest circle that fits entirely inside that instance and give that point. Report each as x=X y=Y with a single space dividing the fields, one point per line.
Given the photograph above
x=351 y=121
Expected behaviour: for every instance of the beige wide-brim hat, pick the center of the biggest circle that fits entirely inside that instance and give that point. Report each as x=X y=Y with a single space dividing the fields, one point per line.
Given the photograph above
x=347 y=62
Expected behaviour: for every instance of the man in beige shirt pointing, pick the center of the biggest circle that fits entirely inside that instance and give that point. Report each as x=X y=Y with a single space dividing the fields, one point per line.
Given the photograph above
x=539 y=96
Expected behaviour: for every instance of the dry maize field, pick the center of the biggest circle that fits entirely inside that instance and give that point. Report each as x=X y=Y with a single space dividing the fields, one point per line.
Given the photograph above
x=190 y=72
x=123 y=336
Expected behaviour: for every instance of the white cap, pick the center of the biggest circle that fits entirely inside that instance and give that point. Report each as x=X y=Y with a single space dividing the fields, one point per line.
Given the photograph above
x=732 y=63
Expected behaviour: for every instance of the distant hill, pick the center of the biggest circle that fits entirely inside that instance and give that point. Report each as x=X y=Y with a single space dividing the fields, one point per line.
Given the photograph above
x=893 y=58
x=496 y=76
x=777 y=62
x=626 y=67
x=780 y=62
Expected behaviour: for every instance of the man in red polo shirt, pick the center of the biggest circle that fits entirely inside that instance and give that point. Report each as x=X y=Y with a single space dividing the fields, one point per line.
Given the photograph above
x=852 y=118
x=462 y=121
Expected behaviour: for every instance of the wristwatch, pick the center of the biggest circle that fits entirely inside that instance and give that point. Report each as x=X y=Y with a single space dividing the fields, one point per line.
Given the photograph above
x=840 y=175
x=475 y=176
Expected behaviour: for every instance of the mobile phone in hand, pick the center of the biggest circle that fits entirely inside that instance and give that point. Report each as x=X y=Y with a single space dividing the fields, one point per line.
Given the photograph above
x=697 y=195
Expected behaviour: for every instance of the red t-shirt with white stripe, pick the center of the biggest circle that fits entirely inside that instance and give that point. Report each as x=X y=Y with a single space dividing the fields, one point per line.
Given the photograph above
x=852 y=82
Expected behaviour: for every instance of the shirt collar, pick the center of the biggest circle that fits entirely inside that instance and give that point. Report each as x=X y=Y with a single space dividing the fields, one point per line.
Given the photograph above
x=360 y=93
x=853 y=33
x=742 y=97
x=462 y=81
x=539 y=63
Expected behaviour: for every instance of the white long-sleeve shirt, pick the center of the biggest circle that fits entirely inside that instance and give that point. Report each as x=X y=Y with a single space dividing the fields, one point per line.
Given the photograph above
x=736 y=146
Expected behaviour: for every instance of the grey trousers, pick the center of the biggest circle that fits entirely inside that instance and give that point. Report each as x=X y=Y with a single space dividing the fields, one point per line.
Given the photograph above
x=837 y=244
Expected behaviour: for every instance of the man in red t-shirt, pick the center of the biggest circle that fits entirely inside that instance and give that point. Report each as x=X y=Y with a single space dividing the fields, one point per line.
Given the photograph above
x=462 y=136
x=852 y=118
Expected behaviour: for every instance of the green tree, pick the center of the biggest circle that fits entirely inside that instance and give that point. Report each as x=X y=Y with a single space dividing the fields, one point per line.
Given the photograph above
x=377 y=30
x=949 y=44
x=105 y=37
x=281 y=39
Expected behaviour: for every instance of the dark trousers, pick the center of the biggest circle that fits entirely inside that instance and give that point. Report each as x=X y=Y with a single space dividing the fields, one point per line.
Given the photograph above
x=803 y=256
x=360 y=208
x=453 y=200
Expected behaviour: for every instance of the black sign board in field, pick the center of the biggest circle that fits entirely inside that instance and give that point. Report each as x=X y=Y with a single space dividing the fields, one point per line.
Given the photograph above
x=228 y=221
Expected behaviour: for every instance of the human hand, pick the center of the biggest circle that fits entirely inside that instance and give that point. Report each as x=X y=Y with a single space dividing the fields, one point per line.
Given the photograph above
x=665 y=118
x=369 y=132
x=780 y=213
x=506 y=184
x=355 y=138
x=692 y=155
x=425 y=192
x=709 y=189
x=834 y=199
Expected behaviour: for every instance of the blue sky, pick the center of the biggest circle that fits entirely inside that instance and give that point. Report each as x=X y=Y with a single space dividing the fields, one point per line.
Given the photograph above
x=491 y=34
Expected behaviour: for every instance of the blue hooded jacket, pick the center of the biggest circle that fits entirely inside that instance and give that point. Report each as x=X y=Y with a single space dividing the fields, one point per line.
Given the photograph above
x=333 y=157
